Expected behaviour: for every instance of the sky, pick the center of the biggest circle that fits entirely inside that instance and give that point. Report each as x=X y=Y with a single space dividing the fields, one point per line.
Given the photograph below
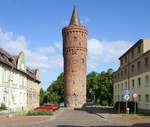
x=35 y=27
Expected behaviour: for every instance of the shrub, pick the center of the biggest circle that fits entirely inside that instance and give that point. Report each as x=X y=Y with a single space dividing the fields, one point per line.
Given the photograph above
x=40 y=112
x=122 y=106
x=3 y=106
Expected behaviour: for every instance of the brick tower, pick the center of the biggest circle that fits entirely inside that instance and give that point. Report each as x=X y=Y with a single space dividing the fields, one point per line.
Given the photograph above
x=74 y=53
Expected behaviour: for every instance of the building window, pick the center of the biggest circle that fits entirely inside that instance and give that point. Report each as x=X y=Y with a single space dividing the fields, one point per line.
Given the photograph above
x=121 y=74
x=11 y=75
x=115 y=76
x=122 y=86
x=146 y=61
x=118 y=75
x=138 y=65
x=139 y=97
x=147 y=98
x=125 y=72
x=139 y=82
x=125 y=59
x=132 y=68
x=121 y=61
x=128 y=86
x=139 y=49
x=115 y=87
x=6 y=76
x=132 y=83
x=125 y=85
x=132 y=54
x=147 y=80
x=1 y=76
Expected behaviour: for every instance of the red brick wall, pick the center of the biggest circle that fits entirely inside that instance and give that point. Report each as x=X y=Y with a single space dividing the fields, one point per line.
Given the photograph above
x=75 y=52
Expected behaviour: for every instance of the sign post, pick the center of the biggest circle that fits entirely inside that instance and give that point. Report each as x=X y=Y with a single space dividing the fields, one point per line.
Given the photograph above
x=135 y=96
x=126 y=98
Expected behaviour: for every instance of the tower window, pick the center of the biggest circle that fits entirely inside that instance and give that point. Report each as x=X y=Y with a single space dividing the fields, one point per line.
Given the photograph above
x=82 y=60
x=75 y=38
x=73 y=82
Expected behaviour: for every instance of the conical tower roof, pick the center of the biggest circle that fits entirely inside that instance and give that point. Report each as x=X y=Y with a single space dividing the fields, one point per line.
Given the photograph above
x=74 y=18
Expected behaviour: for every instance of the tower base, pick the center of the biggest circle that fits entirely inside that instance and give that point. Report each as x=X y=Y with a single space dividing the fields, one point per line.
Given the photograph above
x=73 y=102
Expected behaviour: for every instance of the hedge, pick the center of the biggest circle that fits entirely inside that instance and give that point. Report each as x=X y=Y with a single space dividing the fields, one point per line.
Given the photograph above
x=3 y=106
x=40 y=112
x=123 y=106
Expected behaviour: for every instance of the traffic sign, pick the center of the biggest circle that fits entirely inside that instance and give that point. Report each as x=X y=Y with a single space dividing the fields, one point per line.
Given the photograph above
x=126 y=92
x=135 y=95
x=126 y=97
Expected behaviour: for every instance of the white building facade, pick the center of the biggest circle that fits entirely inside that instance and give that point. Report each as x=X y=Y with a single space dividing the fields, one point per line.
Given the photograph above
x=13 y=81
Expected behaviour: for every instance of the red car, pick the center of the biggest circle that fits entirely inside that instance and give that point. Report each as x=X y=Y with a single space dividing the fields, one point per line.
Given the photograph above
x=47 y=107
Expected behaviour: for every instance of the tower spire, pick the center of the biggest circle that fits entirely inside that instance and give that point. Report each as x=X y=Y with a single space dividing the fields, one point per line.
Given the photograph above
x=74 y=18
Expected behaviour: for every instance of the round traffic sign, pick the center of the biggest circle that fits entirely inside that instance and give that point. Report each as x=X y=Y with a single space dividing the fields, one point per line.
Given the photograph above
x=135 y=95
x=126 y=97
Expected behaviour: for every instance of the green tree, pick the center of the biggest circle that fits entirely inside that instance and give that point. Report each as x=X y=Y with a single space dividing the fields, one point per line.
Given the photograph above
x=99 y=88
x=92 y=85
x=56 y=89
x=42 y=95
x=105 y=89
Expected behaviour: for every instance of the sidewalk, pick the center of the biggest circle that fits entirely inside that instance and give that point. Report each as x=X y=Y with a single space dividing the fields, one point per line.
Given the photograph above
x=21 y=120
x=129 y=121
x=4 y=120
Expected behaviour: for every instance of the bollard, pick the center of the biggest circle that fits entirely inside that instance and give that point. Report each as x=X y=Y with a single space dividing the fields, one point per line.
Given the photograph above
x=128 y=110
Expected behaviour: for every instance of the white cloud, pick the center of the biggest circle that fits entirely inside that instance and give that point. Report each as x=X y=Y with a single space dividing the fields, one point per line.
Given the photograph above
x=47 y=50
x=51 y=56
x=7 y=41
x=43 y=57
x=105 y=51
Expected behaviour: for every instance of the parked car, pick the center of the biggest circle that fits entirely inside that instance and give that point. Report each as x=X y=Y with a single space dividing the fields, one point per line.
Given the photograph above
x=47 y=107
x=61 y=104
